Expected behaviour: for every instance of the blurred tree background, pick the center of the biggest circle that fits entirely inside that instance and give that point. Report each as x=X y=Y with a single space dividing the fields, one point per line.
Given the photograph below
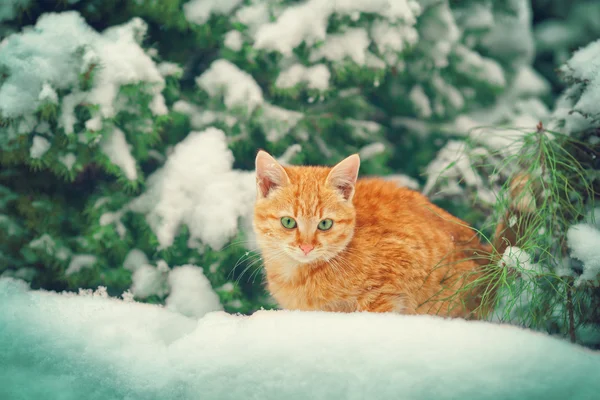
x=129 y=129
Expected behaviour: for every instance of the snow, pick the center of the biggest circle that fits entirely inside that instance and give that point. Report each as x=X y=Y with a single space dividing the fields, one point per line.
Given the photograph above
x=277 y=121
x=48 y=94
x=351 y=44
x=114 y=218
x=79 y=262
x=403 y=181
x=448 y=92
x=516 y=258
x=307 y=22
x=234 y=40
x=316 y=76
x=39 y=147
x=68 y=160
x=287 y=156
x=199 y=11
x=135 y=259
x=253 y=15
x=149 y=280
x=371 y=150
x=43 y=60
x=453 y=166
x=170 y=69
x=44 y=242
x=190 y=293
x=472 y=64
x=200 y=118
x=92 y=346
x=198 y=187
x=584 y=242
x=529 y=82
x=439 y=32
x=94 y=124
x=511 y=35
x=237 y=86
x=421 y=102
x=391 y=39
x=115 y=146
x=475 y=16
x=584 y=66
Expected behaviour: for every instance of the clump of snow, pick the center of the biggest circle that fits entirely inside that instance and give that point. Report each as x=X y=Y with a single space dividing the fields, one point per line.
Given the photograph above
x=371 y=150
x=290 y=152
x=135 y=259
x=199 y=11
x=452 y=164
x=114 y=218
x=39 y=147
x=79 y=262
x=475 y=66
x=170 y=69
x=253 y=15
x=277 y=121
x=529 y=82
x=234 y=40
x=403 y=181
x=92 y=346
x=237 y=87
x=148 y=280
x=583 y=69
x=316 y=77
x=307 y=22
x=391 y=40
x=439 y=33
x=49 y=246
x=200 y=118
x=116 y=149
x=351 y=44
x=61 y=48
x=44 y=242
x=190 y=293
x=48 y=94
x=197 y=187
x=511 y=34
x=476 y=16
x=516 y=258
x=448 y=93
x=94 y=124
x=584 y=242
x=68 y=160
x=421 y=102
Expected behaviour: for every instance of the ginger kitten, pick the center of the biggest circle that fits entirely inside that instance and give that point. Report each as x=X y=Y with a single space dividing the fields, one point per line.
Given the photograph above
x=332 y=242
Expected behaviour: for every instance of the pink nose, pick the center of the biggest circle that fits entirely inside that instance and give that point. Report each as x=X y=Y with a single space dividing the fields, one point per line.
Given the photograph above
x=306 y=248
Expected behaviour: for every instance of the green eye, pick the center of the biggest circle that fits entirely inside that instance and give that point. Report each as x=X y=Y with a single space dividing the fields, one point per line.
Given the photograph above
x=288 y=222
x=325 y=225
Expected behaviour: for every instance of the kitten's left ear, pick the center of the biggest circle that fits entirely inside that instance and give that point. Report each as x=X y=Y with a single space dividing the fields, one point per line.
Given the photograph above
x=344 y=175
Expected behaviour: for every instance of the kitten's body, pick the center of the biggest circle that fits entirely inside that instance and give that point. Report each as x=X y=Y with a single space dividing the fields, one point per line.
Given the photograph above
x=390 y=248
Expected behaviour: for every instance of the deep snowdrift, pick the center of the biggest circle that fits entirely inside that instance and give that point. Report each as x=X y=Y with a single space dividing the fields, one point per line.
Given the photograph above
x=89 y=346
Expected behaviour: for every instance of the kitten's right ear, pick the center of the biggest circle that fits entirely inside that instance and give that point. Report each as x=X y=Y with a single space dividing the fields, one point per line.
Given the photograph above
x=269 y=174
x=344 y=175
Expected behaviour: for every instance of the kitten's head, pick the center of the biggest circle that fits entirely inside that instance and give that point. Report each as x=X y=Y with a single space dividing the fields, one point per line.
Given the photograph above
x=304 y=213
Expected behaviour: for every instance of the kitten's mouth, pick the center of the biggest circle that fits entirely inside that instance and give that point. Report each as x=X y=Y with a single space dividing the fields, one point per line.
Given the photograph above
x=305 y=258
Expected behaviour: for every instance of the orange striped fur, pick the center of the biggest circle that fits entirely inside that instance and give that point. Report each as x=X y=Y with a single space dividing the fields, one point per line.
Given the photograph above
x=389 y=248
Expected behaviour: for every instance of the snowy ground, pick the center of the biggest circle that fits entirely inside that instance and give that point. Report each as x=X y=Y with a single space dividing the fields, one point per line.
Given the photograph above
x=90 y=346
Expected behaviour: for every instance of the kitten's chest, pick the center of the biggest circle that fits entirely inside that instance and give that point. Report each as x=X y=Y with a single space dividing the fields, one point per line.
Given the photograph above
x=311 y=293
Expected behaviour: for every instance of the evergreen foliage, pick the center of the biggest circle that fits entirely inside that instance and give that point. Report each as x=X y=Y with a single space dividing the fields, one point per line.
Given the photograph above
x=129 y=128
